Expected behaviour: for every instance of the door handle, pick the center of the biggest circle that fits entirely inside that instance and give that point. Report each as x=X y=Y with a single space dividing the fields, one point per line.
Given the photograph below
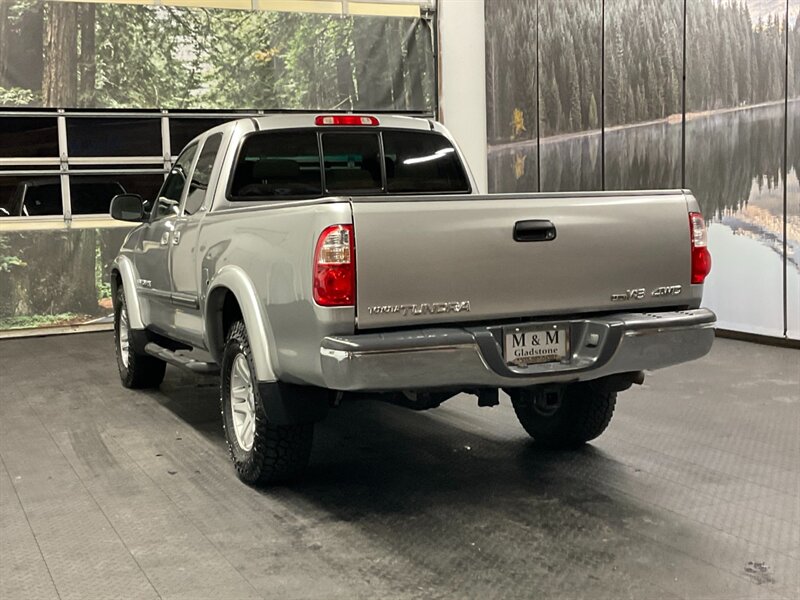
x=176 y=238
x=537 y=230
x=165 y=238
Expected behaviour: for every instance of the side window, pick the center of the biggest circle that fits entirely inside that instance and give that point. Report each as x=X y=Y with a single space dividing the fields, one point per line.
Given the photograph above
x=276 y=166
x=198 y=188
x=169 y=198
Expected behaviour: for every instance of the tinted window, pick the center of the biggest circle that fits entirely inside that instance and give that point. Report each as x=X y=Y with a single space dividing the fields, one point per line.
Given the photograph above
x=97 y=136
x=422 y=162
x=38 y=197
x=277 y=165
x=91 y=196
x=352 y=162
x=183 y=131
x=28 y=137
x=202 y=174
x=12 y=190
x=170 y=196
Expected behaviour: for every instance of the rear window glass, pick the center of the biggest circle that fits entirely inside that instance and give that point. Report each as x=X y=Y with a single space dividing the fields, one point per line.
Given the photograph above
x=286 y=164
x=278 y=164
x=422 y=162
x=352 y=162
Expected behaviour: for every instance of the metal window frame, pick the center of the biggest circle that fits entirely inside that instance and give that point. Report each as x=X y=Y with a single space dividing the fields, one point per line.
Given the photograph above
x=64 y=166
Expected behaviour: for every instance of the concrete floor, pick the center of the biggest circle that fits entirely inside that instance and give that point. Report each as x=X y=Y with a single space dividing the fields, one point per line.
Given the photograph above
x=693 y=492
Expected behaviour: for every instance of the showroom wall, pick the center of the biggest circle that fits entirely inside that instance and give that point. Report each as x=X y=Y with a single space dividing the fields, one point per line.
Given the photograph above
x=590 y=94
x=97 y=98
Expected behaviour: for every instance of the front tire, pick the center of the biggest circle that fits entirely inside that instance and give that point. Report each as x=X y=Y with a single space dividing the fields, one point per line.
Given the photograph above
x=564 y=418
x=262 y=452
x=137 y=371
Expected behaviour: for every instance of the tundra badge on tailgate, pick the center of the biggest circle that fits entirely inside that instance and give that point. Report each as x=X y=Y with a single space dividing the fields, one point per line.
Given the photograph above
x=432 y=308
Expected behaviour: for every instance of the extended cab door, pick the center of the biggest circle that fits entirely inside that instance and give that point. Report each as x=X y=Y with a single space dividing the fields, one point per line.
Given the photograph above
x=152 y=259
x=184 y=265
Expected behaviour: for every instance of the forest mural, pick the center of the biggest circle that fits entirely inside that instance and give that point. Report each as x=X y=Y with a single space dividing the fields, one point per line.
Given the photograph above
x=101 y=56
x=733 y=116
x=90 y=55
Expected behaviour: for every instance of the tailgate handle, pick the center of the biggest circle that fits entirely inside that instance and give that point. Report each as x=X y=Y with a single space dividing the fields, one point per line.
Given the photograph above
x=534 y=231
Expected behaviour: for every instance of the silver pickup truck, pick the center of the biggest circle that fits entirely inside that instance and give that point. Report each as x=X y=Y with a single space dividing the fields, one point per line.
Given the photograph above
x=312 y=258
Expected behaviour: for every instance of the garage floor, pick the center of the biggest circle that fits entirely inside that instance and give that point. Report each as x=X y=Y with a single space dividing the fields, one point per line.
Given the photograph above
x=693 y=492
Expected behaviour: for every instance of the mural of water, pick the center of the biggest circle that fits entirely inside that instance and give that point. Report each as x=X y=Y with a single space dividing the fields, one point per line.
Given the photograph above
x=734 y=165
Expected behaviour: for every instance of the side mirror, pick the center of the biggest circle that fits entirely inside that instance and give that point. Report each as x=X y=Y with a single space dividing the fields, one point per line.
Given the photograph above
x=127 y=207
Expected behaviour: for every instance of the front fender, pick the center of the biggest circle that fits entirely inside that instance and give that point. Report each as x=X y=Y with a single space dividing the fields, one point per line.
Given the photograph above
x=124 y=266
x=233 y=279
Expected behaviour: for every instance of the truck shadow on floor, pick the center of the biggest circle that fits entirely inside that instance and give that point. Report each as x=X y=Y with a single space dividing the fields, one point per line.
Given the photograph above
x=371 y=457
x=447 y=485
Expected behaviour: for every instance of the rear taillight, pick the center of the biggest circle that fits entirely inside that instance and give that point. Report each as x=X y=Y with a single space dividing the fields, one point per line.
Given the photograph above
x=701 y=258
x=335 y=267
x=352 y=120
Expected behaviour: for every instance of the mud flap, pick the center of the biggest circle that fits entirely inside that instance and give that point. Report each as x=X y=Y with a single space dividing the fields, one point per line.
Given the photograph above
x=288 y=404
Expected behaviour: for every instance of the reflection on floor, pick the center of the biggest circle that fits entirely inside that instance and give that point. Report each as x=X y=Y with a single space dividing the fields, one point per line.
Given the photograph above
x=691 y=493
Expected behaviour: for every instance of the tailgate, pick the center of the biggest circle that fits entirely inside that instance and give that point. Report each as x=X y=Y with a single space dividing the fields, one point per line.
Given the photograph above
x=423 y=260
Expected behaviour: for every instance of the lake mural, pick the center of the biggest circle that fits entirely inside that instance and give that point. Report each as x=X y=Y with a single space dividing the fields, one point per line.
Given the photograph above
x=735 y=119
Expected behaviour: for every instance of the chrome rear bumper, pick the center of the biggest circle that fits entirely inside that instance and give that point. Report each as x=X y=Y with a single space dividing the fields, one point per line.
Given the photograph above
x=473 y=356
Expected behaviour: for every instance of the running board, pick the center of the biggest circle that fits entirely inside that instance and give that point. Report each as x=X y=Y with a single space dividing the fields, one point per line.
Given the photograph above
x=195 y=366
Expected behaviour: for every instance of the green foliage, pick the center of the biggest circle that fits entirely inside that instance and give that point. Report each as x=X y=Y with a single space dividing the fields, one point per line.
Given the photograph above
x=593 y=120
x=103 y=287
x=17 y=96
x=8 y=262
x=732 y=60
x=30 y=321
x=511 y=67
x=197 y=58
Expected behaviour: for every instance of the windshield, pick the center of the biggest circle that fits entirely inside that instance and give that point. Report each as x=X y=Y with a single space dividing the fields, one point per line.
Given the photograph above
x=311 y=163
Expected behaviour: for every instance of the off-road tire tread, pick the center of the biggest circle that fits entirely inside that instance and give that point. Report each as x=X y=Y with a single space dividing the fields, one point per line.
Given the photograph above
x=280 y=453
x=143 y=371
x=584 y=414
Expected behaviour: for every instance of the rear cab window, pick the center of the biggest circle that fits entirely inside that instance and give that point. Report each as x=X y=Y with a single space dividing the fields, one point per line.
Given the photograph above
x=310 y=163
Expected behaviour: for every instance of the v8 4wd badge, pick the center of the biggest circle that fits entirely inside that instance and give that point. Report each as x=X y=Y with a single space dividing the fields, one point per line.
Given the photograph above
x=640 y=293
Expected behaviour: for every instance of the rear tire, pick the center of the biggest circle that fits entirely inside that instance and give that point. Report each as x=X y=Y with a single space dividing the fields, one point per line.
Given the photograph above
x=262 y=452
x=137 y=371
x=581 y=414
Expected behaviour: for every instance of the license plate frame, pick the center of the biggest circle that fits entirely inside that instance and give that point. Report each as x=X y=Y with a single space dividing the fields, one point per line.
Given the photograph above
x=539 y=344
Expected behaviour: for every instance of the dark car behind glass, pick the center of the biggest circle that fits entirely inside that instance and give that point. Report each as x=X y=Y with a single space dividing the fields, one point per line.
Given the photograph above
x=41 y=196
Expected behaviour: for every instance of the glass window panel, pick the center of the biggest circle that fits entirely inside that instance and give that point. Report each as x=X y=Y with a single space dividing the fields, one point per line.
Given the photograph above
x=792 y=216
x=352 y=162
x=511 y=94
x=422 y=162
x=170 y=195
x=30 y=196
x=735 y=127
x=27 y=137
x=644 y=62
x=202 y=174
x=100 y=136
x=183 y=131
x=274 y=165
x=92 y=194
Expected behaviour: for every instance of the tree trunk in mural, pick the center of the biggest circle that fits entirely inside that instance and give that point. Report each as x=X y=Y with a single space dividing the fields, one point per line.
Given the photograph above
x=416 y=55
x=373 y=84
x=4 y=43
x=87 y=66
x=60 y=81
x=78 y=281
